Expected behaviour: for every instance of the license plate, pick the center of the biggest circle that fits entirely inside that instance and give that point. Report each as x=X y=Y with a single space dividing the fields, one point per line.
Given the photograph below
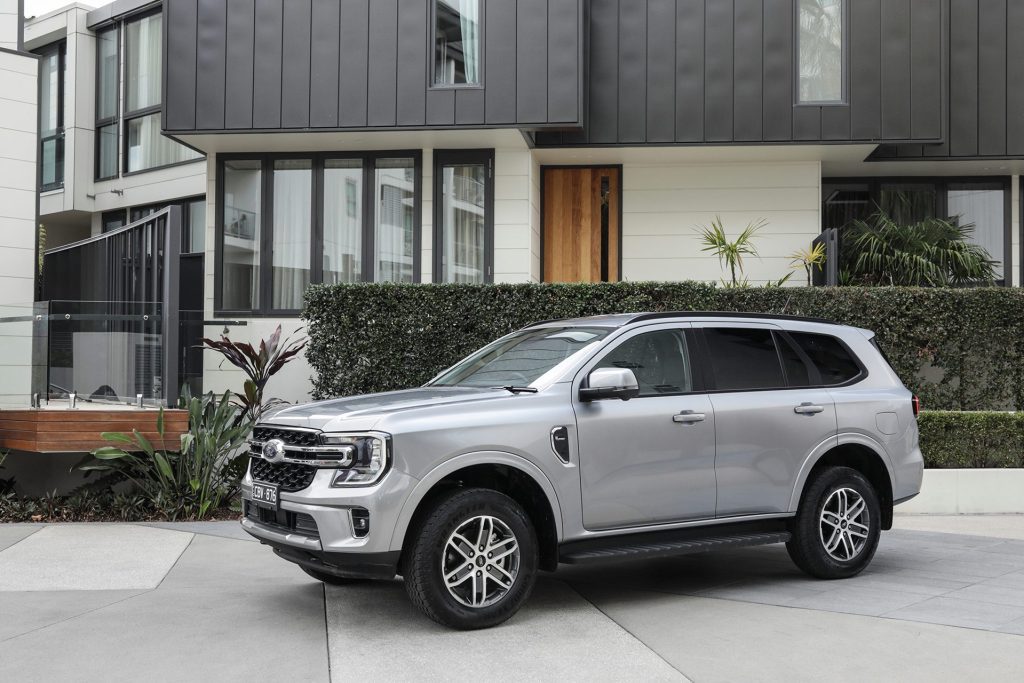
x=264 y=495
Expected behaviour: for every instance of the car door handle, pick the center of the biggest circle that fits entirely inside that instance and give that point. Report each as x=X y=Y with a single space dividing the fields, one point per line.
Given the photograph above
x=688 y=417
x=808 y=409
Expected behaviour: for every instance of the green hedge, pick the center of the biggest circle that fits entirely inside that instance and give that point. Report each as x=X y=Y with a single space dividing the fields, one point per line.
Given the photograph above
x=959 y=349
x=960 y=439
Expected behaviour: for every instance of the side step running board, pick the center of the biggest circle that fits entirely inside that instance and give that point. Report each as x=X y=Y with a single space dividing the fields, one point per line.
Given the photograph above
x=669 y=548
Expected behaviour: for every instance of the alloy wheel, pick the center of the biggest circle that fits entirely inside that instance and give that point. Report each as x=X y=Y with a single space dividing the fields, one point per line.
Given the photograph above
x=480 y=561
x=844 y=524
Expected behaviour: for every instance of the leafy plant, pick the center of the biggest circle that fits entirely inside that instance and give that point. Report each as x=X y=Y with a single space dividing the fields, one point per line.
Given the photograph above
x=730 y=253
x=259 y=365
x=193 y=481
x=931 y=252
x=808 y=259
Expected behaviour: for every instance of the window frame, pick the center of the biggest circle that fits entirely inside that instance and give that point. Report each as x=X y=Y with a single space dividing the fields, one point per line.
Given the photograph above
x=432 y=83
x=266 y=161
x=844 y=101
x=456 y=157
x=60 y=49
x=114 y=120
x=941 y=185
x=699 y=376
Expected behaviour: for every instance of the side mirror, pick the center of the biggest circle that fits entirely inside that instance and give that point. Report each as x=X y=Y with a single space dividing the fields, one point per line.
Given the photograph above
x=610 y=383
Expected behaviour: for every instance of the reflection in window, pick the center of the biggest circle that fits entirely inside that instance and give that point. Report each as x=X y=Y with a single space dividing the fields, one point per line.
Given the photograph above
x=148 y=148
x=293 y=207
x=463 y=219
x=194 y=239
x=143 y=57
x=394 y=226
x=985 y=210
x=343 y=220
x=908 y=203
x=845 y=203
x=240 y=257
x=820 y=41
x=51 y=117
x=457 y=42
x=659 y=361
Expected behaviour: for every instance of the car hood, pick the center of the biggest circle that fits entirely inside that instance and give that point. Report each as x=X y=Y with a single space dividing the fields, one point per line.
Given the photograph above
x=362 y=413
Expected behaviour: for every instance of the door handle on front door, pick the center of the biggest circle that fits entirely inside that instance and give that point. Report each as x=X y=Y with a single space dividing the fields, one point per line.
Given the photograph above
x=808 y=409
x=688 y=417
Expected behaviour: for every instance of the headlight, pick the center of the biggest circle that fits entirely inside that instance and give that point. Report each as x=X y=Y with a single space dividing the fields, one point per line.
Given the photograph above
x=370 y=462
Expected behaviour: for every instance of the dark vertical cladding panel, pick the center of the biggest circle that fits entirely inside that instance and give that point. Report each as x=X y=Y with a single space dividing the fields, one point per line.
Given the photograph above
x=441 y=107
x=469 y=107
x=564 y=72
x=1015 y=74
x=778 y=70
x=835 y=123
x=865 y=69
x=603 y=113
x=412 y=63
x=632 y=72
x=718 y=64
x=238 y=78
x=747 y=70
x=500 y=62
x=383 y=54
x=926 y=69
x=963 y=77
x=896 y=69
x=661 y=70
x=266 y=98
x=295 y=67
x=531 y=61
x=210 y=64
x=807 y=123
x=353 y=70
x=992 y=83
x=323 y=64
x=181 y=18
x=689 y=70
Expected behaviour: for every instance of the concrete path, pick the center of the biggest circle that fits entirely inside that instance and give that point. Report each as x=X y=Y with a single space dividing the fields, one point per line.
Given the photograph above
x=128 y=602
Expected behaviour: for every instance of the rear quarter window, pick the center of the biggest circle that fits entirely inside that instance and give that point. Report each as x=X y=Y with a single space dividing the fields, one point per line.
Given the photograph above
x=829 y=355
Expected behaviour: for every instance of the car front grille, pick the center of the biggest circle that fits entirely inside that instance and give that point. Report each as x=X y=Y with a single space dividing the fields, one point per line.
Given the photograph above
x=282 y=520
x=289 y=477
x=290 y=437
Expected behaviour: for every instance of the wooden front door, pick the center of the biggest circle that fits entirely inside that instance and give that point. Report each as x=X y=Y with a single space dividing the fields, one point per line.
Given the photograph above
x=581 y=223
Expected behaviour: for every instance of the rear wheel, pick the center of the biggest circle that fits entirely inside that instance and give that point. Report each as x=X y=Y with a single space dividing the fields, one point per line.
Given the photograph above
x=836 y=530
x=473 y=561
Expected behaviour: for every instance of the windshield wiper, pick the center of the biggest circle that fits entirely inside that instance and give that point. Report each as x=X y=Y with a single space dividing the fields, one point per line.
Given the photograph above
x=518 y=390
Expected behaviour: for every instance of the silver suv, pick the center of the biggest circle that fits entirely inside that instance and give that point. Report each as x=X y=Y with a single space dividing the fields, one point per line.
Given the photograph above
x=597 y=439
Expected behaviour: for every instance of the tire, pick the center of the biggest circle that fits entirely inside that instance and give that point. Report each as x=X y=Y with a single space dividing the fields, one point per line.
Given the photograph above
x=330 y=578
x=826 y=542
x=448 y=542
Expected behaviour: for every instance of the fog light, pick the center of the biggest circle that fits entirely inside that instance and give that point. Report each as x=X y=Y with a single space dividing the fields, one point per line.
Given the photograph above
x=360 y=522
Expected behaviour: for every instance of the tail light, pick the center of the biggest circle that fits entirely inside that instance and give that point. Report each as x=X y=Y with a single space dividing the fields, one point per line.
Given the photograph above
x=916 y=402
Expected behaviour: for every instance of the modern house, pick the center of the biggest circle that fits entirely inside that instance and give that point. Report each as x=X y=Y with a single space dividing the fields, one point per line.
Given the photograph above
x=312 y=141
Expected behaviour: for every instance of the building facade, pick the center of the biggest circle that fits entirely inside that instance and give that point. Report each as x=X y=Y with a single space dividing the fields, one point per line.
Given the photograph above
x=533 y=140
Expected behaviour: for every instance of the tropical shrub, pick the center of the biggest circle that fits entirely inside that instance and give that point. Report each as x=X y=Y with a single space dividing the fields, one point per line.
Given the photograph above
x=730 y=253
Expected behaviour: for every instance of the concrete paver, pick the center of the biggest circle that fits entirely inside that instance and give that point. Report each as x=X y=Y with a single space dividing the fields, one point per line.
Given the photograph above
x=15 y=533
x=31 y=610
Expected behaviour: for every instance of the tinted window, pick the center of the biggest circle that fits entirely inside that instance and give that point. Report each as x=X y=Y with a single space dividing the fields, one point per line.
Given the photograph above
x=659 y=360
x=743 y=358
x=797 y=372
x=829 y=355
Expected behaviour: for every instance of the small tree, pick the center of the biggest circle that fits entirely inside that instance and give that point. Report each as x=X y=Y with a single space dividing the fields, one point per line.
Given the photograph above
x=731 y=253
x=808 y=259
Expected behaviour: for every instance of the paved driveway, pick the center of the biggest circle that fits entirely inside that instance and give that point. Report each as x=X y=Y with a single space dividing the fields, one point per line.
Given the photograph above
x=202 y=602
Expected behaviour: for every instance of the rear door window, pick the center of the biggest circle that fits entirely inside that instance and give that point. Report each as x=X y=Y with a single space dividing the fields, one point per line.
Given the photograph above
x=829 y=355
x=743 y=358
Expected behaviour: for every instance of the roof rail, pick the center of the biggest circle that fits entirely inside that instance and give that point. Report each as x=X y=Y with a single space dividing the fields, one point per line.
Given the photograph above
x=727 y=314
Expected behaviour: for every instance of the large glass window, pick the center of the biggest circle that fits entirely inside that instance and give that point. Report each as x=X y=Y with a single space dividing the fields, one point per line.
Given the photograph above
x=51 y=116
x=744 y=358
x=395 y=220
x=343 y=220
x=240 y=251
x=148 y=148
x=820 y=50
x=457 y=27
x=107 y=68
x=292 y=231
x=462 y=220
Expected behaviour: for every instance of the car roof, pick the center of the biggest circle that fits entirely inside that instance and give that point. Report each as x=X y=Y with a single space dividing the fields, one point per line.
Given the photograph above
x=622 y=319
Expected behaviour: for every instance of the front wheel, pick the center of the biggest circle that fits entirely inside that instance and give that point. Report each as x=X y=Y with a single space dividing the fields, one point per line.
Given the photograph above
x=836 y=530
x=473 y=561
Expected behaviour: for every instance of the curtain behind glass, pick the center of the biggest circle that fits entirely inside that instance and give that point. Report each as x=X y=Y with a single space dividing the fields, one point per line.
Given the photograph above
x=293 y=206
x=49 y=94
x=148 y=148
x=343 y=220
x=462 y=231
x=142 y=63
x=240 y=269
x=457 y=42
x=106 y=86
x=985 y=209
x=821 y=50
x=394 y=223
x=469 y=15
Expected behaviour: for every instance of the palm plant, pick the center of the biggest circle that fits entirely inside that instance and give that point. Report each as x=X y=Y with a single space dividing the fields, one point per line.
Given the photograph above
x=259 y=365
x=808 y=259
x=932 y=252
x=731 y=252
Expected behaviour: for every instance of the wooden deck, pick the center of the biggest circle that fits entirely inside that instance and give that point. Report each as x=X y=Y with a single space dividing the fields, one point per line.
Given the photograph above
x=78 y=431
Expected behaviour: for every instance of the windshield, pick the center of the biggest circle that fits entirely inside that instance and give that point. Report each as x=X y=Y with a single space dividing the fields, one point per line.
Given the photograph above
x=521 y=358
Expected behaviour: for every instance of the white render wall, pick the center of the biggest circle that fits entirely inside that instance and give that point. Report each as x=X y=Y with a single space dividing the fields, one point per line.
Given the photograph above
x=18 y=126
x=10 y=18
x=664 y=206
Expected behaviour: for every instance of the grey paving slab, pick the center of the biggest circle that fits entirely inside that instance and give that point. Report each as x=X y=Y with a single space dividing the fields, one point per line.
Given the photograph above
x=28 y=611
x=227 y=611
x=91 y=557
x=231 y=529
x=960 y=612
x=851 y=597
x=14 y=533
x=991 y=592
x=713 y=640
x=557 y=636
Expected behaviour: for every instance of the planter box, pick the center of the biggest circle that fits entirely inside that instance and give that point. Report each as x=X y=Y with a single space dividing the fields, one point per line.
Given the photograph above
x=968 y=491
x=43 y=430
